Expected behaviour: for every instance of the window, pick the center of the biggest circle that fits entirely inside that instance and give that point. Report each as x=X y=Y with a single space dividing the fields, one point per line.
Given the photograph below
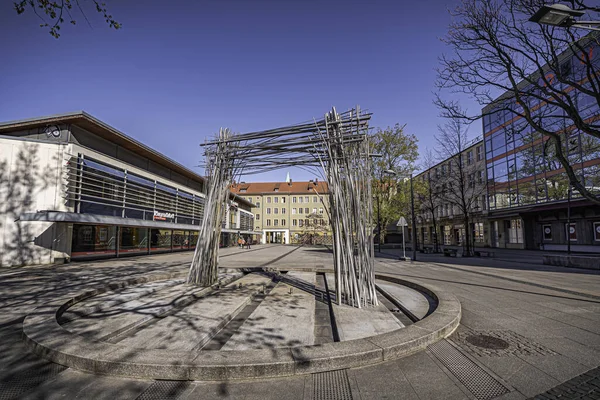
x=268 y=222
x=306 y=199
x=597 y=231
x=480 y=177
x=300 y=222
x=276 y=210
x=293 y=211
x=258 y=217
x=469 y=157
x=547 y=232
x=300 y=199
x=478 y=232
x=294 y=222
x=572 y=231
x=283 y=210
x=276 y=190
x=300 y=210
x=283 y=222
x=515 y=234
x=293 y=199
x=275 y=222
x=321 y=210
x=471 y=180
x=315 y=199
x=242 y=190
x=268 y=200
x=322 y=222
x=283 y=199
x=479 y=153
x=314 y=210
x=306 y=211
x=447 y=234
x=307 y=222
x=268 y=210
x=258 y=204
x=484 y=202
x=276 y=199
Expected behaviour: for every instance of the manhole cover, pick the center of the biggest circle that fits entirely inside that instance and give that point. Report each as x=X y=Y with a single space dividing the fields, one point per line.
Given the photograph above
x=487 y=342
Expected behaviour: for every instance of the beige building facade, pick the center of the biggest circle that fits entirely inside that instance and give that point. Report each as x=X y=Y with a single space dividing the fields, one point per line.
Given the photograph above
x=288 y=212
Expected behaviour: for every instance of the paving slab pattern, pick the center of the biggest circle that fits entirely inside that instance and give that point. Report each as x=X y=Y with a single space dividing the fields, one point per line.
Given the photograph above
x=285 y=318
x=553 y=307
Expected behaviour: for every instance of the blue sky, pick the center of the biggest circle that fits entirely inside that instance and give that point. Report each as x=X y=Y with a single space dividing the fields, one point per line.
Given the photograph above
x=178 y=70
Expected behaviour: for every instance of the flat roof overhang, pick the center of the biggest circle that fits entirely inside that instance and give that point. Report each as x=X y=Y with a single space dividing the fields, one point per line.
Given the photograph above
x=71 y=217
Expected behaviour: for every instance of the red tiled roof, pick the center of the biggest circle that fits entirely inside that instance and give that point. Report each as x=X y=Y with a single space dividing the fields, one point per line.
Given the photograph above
x=269 y=187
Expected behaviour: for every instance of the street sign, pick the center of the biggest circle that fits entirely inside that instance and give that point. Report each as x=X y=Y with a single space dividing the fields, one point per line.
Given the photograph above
x=402 y=222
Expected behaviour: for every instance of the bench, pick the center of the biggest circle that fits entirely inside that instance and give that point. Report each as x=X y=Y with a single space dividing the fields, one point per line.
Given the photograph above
x=484 y=253
x=450 y=252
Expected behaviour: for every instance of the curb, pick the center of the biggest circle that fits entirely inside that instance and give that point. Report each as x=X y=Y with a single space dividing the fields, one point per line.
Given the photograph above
x=44 y=336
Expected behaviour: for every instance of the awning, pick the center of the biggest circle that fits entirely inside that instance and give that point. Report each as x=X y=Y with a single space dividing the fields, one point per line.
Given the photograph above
x=70 y=217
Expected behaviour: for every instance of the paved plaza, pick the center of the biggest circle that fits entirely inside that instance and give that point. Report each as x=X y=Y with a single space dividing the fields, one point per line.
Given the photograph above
x=527 y=330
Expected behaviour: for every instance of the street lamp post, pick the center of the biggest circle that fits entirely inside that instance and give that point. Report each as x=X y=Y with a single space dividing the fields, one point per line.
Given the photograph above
x=563 y=16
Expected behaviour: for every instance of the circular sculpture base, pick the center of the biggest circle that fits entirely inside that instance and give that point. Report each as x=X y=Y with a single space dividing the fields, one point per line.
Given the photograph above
x=46 y=337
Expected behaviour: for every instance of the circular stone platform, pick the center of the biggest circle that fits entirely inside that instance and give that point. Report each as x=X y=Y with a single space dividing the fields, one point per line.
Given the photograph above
x=46 y=337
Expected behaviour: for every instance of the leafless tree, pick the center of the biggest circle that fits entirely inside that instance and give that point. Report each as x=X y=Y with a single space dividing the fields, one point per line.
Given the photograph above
x=544 y=74
x=457 y=181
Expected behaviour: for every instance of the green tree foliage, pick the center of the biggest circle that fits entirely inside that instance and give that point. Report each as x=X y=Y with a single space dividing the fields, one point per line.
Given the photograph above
x=54 y=13
x=396 y=151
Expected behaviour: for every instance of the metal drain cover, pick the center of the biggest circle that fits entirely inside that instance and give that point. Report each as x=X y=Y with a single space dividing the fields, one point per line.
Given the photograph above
x=487 y=342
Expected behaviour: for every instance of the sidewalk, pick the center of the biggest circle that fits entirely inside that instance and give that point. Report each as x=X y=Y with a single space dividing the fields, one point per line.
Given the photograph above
x=548 y=317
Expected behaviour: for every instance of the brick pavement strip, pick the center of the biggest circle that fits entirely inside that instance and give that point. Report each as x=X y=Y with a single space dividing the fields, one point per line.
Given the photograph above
x=585 y=386
x=517 y=344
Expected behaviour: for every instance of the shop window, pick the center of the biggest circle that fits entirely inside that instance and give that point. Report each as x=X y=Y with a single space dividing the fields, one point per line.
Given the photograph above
x=515 y=233
x=93 y=240
x=597 y=231
x=133 y=240
x=160 y=239
x=571 y=231
x=547 y=232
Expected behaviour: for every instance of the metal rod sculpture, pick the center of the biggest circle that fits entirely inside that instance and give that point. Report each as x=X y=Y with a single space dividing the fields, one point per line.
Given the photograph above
x=336 y=147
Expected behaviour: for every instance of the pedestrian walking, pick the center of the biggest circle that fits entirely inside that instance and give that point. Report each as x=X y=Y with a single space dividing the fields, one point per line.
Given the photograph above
x=248 y=243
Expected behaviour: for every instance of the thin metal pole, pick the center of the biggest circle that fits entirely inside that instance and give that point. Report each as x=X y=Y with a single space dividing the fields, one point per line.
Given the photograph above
x=378 y=225
x=569 y=221
x=414 y=224
x=403 y=242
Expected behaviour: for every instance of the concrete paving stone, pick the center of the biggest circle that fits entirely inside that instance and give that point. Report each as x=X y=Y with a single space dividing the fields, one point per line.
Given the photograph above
x=281 y=320
x=412 y=300
x=195 y=325
x=290 y=388
x=217 y=391
x=353 y=323
x=476 y=321
x=71 y=384
x=519 y=374
x=576 y=351
x=559 y=367
x=373 y=384
x=514 y=395
x=426 y=378
x=558 y=309
x=579 y=335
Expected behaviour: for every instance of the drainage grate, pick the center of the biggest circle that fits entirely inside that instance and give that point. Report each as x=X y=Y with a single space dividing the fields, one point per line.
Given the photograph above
x=14 y=386
x=471 y=375
x=332 y=385
x=164 y=390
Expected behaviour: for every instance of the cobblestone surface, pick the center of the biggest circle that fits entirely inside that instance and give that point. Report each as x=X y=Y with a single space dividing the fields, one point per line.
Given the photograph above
x=585 y=386
x=517 y=344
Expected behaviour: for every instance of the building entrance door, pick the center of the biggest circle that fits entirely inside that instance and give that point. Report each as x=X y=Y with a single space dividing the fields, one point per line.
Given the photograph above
x=495 y=239
x=274 y=237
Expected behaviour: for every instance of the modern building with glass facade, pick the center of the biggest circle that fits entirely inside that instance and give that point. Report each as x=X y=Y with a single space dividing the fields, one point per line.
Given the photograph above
x=72 y=187
x=289 y=212
x=530 y=203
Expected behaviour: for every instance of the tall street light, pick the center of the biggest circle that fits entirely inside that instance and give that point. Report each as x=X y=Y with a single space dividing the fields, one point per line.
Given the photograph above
x=412 y=211
x=563 y=16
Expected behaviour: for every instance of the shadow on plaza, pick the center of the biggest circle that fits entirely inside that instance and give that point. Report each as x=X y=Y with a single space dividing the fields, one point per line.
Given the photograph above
x=21 y=293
